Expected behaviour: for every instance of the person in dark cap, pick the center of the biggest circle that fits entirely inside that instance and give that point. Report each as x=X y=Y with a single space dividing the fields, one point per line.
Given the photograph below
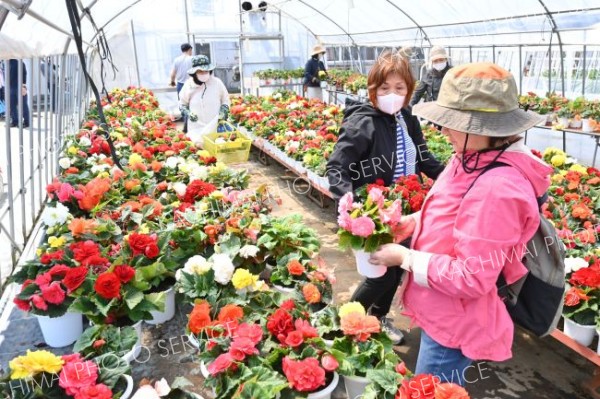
x=203 y=96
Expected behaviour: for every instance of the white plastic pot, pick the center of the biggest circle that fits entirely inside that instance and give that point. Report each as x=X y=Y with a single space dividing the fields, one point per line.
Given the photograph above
x=325 y=393
x=288 y=291
x=355 y=386
x=586 y=126
x=129 y=389
x=362 y=92
x=366 y=268
x=61 y=331
x=135 y=351
x=575 y=123
x=580 y=333
x=168 y=313
x=193 y=340
x=564 y=122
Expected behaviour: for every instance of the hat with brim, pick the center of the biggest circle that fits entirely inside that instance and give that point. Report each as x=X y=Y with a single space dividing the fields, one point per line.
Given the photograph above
x=478 y=98
x=437 y=52
x=318 y=49
x=200 y=63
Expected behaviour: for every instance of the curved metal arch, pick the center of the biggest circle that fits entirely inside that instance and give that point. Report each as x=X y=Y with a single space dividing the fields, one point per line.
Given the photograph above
x=412 y=20
x=560 y=48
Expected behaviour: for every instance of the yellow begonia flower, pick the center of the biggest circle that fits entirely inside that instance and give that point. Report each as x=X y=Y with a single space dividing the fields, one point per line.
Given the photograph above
x=557 y=178
x=579 y=168
x=56 y=242
x=242 y=278
x=39 y=252
x=216 y=194
x=72 y=150
x=103 y=175
x=135 y=158
x=558 y=160
x=550 y=151
x=351 y=307
x=34 y=363
x=203 y=153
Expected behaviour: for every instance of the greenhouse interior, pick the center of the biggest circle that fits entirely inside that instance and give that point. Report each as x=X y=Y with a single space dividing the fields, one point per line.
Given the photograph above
x=199 y=199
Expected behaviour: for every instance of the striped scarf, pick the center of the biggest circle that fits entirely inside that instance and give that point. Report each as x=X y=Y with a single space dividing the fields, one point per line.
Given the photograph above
x=406 y=153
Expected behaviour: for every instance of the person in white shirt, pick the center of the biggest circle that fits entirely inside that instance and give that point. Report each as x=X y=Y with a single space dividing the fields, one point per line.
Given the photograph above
x=179 y=75
x=203 y=96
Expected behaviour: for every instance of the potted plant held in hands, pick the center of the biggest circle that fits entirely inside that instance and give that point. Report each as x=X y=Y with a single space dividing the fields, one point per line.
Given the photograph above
x=367 y=224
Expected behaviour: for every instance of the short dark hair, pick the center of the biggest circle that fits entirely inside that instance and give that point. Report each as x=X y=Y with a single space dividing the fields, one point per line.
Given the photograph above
x=185 y=47
x=390 y=63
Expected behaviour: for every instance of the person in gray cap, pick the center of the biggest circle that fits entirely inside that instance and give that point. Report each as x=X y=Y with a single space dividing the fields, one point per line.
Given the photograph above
x=430 y=85
x=203 y=96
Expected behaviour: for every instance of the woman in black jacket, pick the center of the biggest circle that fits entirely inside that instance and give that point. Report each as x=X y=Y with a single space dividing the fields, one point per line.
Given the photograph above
x=312 y=80
x=381 y=140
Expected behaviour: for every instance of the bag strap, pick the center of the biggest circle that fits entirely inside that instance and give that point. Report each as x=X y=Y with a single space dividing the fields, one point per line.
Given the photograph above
x=498 y=164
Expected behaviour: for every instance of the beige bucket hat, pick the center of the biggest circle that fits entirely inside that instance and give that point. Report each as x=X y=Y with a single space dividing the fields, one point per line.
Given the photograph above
x=318 y=49
x=478 y=98
x=437 y=52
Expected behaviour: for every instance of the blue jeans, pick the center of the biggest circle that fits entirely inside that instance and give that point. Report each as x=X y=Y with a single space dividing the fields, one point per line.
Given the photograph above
x=447 y=364
x=14 y=107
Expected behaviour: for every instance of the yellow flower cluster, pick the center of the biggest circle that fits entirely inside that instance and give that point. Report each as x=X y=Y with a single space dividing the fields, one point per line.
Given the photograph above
x=351 y=307
x=579 y=168
x=558 y=160
x=242 y=278
x=56 y=242
x=34 y=363
x=135 y=158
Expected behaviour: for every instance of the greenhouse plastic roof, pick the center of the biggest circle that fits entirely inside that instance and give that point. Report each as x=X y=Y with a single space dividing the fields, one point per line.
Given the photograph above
x=342 y=22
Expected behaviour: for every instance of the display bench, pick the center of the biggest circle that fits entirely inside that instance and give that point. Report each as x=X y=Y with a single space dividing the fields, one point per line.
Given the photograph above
x=302 y=180
x=334 y=96
x=594 y=135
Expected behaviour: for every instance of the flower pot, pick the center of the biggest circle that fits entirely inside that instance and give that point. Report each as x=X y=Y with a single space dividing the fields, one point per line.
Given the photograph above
x=355 y=385
x=168 y=313
x=564 y=122
x=550 y=117
x=362 y=92
x=61 y=331
x=325 y=393
x=366 y=268
x=586 y=126
x=137 y=348
x=193 y=340
x=287 y=291
x=575 y=123
x=580 y=333
x=129 y=389
x=324 y=85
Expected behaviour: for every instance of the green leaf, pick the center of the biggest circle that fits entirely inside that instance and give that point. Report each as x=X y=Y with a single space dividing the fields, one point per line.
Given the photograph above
x=356 y=242
x=133 y=297
x=87 y=339
x=111 y=367
x=157 y=299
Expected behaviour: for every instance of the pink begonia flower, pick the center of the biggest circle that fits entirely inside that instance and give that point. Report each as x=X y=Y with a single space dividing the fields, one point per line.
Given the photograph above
x=65 y=192
x=345 y=221
x=392 y=214
x=345 y=204
x=363 y=226
x=376 y=196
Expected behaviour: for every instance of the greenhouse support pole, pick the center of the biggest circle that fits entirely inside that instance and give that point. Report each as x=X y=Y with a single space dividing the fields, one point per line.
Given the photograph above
x=135 y=55
x=470 y=54
x=22 y=189
x=520 y=69
x=583 y=72
x=187 y=23
x=9 y=169
x=550 y=64
x=493 y=54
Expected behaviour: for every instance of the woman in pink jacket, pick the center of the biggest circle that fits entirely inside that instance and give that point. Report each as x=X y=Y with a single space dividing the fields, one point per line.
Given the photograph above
x=472 y=226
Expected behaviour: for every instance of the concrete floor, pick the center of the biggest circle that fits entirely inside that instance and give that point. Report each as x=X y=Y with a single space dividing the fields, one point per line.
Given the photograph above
x=540 y=369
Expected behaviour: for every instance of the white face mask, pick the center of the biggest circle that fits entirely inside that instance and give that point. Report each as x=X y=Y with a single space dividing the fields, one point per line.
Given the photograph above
x=203 y=78
x=438 y=66
x=390 y=103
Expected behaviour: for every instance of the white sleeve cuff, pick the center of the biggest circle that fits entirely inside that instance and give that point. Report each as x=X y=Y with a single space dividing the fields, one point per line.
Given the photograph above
x=420 y=266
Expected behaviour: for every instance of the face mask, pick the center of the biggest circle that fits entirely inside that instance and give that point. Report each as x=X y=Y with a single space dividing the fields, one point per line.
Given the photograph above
x=390 y=103
x=438 y=66
x=203 y=78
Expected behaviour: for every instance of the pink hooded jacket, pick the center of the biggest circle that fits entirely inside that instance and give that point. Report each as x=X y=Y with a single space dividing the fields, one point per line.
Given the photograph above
x=461 y=244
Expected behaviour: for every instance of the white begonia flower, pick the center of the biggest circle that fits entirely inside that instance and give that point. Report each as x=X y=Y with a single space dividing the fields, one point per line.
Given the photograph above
x=277 y=96
x=85 y=142
x=179 y=188
x=146 y=392
x=58 y=215
x=172 y=162
x=100 y=168
x=574 y=264
x=223 y=268
x=249 y=251
x=197 y=265
x=162 y=387
x=199 y=172
x=64 y=163
x=121 y=144
x=289 y=133
x=293 y=105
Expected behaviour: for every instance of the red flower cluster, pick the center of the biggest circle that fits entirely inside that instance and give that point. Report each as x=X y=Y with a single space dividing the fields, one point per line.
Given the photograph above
x=50 y=287
x=144 y=244
x=304 y=375
x=413 y=191
x=288 y=331
x=588 y=276
x=196 y=190
x=244 y=342
x=108 y=286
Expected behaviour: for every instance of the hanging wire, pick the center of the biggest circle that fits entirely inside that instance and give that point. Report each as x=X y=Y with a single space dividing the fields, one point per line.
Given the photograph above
x=103 y=127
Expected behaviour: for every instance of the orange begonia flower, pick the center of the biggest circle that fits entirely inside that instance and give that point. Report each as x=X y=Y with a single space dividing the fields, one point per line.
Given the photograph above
x=81 y=226
x=311 y=293
x=359 y=325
